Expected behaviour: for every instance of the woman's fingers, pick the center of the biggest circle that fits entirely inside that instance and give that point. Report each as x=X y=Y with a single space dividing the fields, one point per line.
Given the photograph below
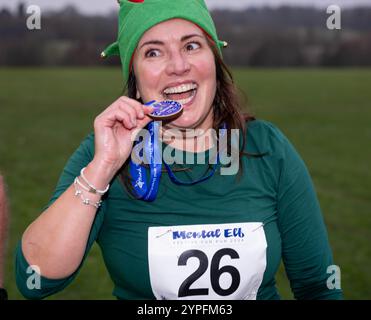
x=140 y=109
x=147 y=109
x=111 y=117
x=135 y=111
x=115 y=127
x=130 y=111
x=137 y=106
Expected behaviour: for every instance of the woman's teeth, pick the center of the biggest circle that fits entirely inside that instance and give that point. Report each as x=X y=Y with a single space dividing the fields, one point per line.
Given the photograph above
x=180 y=89
x=183 y=93
x=185 y=101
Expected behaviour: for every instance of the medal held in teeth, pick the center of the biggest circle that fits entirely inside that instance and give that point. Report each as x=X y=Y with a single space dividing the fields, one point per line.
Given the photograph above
x=166 y=110
x=176 y=98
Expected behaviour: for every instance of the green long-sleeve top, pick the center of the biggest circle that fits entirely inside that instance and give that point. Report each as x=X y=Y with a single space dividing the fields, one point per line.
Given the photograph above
x=223 y=238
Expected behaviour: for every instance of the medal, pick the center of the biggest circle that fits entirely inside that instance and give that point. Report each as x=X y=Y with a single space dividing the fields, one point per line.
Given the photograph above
x=165 y=110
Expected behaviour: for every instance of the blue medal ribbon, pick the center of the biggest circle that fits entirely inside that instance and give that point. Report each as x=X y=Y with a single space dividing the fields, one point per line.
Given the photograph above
x=138 y=171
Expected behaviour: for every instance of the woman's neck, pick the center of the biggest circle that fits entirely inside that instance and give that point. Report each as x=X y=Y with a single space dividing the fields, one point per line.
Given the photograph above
x=189 y=140
x=197 y=139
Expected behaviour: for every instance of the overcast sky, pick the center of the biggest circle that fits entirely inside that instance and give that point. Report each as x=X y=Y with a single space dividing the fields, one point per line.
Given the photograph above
x=105 y=6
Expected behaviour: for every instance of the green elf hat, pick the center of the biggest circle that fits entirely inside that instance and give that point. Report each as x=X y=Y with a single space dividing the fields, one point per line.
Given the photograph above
x=137 y=16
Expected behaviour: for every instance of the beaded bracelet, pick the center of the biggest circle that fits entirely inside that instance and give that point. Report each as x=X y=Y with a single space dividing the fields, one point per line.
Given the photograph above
x=86 y=201
x=92 y=189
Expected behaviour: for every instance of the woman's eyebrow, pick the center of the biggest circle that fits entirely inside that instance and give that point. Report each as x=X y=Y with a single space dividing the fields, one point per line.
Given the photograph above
x=184 y=38
x=158 y=42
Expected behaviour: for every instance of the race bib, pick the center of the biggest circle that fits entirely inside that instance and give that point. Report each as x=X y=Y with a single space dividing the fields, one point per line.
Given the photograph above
x=214 y=261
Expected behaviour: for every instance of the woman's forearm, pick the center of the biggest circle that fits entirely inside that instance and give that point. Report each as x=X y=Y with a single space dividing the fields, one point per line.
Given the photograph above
x=56 y=241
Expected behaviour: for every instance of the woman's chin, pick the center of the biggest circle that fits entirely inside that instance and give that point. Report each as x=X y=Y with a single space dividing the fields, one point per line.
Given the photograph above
x=190 y=120
x=183 y=123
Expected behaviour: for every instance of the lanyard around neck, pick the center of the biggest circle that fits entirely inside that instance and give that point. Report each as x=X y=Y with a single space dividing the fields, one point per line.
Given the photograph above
x=138 y=172
x=205 y=176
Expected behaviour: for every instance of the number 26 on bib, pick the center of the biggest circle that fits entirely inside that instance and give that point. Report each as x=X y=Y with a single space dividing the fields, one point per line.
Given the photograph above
x=207 y=262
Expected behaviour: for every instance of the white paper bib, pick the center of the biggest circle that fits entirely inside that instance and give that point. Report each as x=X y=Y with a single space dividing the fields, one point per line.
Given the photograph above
x=214 y=261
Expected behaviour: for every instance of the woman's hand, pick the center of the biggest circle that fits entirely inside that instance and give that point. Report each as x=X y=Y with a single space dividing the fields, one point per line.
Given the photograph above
x=113 y=130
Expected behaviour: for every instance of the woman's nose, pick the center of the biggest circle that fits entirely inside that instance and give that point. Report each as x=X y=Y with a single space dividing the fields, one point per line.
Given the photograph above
x=178 y=64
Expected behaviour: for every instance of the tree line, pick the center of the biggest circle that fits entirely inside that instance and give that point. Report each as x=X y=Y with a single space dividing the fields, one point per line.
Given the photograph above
x=262 y=37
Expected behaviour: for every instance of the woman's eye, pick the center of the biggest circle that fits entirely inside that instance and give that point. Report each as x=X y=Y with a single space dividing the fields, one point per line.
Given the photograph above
x=152 y=53
x=192 y=46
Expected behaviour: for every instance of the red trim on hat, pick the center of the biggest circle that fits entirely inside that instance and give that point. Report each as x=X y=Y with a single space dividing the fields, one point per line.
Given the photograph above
x=136 y=0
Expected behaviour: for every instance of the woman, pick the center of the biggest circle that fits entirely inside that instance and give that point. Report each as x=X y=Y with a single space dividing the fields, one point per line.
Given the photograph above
x=220 y=236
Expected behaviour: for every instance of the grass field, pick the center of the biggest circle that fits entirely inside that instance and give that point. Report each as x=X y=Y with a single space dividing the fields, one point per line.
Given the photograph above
x=44 y=114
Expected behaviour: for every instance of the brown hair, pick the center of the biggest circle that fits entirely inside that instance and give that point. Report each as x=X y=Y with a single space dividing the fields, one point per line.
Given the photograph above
x=227 y=108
